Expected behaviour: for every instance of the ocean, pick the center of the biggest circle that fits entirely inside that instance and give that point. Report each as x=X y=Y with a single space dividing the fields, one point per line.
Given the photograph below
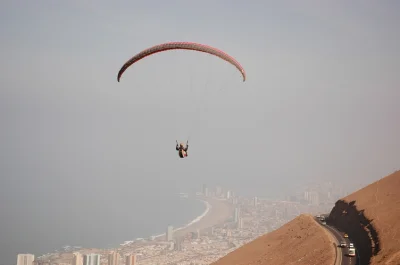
x=103 y=226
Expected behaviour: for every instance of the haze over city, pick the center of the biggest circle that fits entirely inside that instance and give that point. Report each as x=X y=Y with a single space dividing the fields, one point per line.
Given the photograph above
x=82 y=153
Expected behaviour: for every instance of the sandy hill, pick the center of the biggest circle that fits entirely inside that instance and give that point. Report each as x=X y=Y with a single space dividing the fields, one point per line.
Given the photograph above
x=371 y=217
x=301 y=241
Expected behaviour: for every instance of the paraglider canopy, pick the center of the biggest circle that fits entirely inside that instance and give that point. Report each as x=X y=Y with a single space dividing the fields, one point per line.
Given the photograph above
x=182 y=46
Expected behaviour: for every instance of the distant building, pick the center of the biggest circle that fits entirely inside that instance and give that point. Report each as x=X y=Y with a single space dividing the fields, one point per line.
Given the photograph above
x=306 y=196
x=113 y=258
x=237 y=214
x=130 y=260
x=170 y=233
x=314 y=198
x=228 y=194
x=25 y=259
x=78 y=259
x=205 y=190
x=178 y=244
x=255 y=201
x=240 y=223
x=91 y=259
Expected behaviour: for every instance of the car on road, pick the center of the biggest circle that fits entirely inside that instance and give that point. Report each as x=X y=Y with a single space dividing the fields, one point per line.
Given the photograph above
x=346 y=235
x=351 y=245
x=352 y=252
x=343 y=244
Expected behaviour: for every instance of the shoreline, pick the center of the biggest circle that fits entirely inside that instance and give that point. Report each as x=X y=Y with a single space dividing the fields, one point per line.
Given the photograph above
x=197 y=219
x=216 y=212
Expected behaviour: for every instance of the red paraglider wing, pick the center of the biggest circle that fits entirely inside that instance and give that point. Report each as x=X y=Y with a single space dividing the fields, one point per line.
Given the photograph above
x=182 y=46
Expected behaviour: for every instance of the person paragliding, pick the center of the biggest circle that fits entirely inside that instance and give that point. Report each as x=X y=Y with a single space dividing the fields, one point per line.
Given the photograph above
x=182 y=149
x=169 y=46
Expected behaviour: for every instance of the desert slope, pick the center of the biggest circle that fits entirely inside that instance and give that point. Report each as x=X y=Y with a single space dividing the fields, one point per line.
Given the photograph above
x=301 y=241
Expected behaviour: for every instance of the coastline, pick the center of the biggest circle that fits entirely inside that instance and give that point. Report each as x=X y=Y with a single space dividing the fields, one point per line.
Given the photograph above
x=217 y=211
x=208 y=214
x=197 y=219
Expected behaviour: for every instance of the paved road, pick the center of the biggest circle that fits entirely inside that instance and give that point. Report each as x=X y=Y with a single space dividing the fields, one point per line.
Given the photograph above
x=341 y=257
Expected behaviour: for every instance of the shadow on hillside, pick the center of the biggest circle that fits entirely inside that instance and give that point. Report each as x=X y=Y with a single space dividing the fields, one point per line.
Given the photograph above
x=361 y=231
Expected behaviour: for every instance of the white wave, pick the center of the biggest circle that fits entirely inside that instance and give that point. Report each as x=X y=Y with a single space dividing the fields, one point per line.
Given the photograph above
x=197 y=219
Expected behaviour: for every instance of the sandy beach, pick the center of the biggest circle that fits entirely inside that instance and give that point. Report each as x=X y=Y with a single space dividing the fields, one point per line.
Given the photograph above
x=218 y=212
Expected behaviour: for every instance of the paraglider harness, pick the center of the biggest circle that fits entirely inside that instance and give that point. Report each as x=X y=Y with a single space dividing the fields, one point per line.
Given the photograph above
x=182 y=151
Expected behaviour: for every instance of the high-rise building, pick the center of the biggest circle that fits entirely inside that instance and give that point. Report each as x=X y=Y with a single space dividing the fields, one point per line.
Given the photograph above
x=130 y=260
x=237 y=214
x=306 y=196
x=170 y=233
x=314 y=198
x=113 y=258
x=255 y=201
x=78 y=259
x=91 y=259
x=240 y=223
x=228 y=194
x=25 y=259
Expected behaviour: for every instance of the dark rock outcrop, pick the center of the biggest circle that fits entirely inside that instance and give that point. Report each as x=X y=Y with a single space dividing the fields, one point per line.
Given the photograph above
x=347 y=218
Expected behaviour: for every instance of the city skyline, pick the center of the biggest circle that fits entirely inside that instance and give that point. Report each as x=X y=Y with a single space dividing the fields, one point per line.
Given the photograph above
x=311 y=198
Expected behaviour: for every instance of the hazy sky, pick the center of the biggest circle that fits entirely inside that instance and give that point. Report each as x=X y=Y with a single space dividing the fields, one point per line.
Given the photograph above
x=321 y=100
